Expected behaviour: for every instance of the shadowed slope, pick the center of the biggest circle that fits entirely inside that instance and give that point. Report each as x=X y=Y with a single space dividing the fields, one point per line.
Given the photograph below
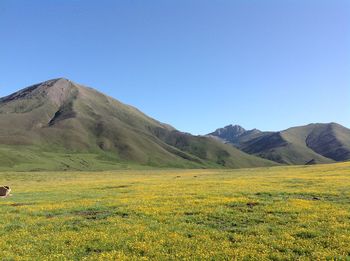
x=330 y=140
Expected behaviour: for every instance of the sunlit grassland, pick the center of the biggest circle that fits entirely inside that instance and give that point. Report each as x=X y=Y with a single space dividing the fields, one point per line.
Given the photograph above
x=267 y=213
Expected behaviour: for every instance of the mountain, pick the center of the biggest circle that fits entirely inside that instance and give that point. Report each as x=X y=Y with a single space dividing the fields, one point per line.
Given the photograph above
x=59 y=124
x=310 y=144
x=234 y=134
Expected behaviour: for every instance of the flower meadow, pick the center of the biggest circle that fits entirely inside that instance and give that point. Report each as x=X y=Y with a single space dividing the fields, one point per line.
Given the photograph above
x=276 y=213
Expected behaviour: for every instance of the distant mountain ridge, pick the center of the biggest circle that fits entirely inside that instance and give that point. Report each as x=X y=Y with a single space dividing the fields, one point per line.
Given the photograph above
x=313 y=143
x=234 y=134
x=61 y=125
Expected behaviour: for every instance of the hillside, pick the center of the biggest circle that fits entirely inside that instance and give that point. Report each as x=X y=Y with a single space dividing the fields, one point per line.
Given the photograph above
x=59 y=124
x=310 y=144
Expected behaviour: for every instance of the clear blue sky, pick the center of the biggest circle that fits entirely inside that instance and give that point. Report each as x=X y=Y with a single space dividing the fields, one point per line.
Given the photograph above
x=195 y=64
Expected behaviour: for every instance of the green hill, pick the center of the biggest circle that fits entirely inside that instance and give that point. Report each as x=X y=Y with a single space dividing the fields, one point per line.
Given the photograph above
x=59 y=124
x=310 y=144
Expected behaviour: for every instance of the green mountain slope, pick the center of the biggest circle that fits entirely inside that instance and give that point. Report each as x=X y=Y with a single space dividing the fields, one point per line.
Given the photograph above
x=59 y=124
x=310 y=144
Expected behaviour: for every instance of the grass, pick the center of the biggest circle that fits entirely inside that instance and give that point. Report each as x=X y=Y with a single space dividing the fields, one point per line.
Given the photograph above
x=278 y=213
x=32 y=159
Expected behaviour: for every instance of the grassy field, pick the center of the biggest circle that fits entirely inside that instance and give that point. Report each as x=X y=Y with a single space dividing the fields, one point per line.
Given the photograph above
x=273 y=213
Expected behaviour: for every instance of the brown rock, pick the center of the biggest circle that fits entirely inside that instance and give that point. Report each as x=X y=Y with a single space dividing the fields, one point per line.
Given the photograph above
x=5 y=191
